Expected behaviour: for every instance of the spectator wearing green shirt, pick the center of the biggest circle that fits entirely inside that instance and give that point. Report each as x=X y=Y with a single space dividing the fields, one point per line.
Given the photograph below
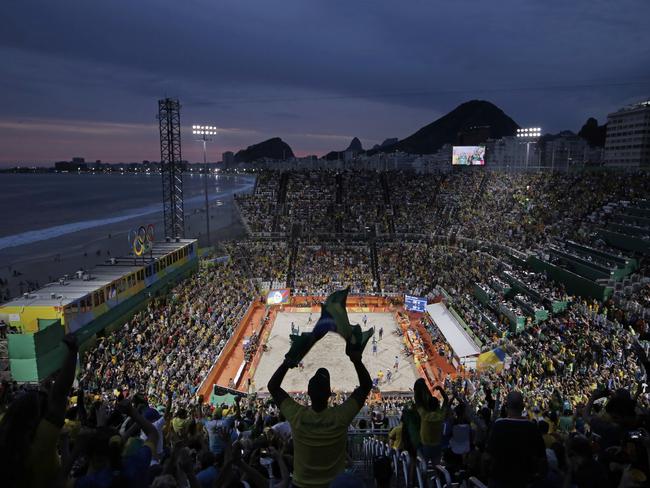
x=566 y=422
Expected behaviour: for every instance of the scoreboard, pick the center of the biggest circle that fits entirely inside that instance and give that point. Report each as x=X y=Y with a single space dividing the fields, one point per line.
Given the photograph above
x=414 y=304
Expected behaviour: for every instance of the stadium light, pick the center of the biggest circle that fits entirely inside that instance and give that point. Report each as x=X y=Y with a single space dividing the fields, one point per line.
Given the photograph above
x=529 y=132
x=204 y=130
x=204 y=133
x=530 y=136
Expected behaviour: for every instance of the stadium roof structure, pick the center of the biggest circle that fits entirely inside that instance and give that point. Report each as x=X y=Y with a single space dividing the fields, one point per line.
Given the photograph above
x=458 y=339
x=73 y=287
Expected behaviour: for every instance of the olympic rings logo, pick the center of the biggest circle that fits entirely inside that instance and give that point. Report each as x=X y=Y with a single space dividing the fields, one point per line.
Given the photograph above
x=141 y=239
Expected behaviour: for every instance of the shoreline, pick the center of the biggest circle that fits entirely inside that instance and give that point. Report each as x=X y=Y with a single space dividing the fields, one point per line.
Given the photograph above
x=45 y=261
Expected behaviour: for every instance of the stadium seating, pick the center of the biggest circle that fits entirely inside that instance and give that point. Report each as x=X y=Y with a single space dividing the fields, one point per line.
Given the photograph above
x=517 y=258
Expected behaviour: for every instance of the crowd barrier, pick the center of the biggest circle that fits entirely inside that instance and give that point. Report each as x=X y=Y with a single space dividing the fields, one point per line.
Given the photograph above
x=625 y=241
x=364 y=448
x=574 y=283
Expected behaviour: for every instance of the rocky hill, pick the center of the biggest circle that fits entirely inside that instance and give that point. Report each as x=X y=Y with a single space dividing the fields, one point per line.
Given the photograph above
x=489 y=119
x=354 y=146
x=274 y=148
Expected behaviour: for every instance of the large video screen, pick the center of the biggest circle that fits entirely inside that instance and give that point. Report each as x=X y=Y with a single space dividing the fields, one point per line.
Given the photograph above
x=415 y=304
x=277 y=297
x=468 y=156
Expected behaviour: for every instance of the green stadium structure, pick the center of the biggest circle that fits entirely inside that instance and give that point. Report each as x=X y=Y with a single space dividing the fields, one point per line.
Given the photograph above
x=93 y=303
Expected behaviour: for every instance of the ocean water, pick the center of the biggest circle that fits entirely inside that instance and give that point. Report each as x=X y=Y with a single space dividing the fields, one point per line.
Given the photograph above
x=42 y=207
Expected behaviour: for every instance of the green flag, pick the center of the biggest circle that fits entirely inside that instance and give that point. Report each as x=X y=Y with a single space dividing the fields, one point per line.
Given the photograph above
x=358 y=339
x=334 y=318
x=300 y=346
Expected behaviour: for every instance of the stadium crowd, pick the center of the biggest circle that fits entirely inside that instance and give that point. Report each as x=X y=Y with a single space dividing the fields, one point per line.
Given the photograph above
x=267 y=260
x=259 y=208
x=322 y=269
x=364 y=201
x=523 y=210
x=496 y=428
x=569 y=409
x=175 y=341
x=417 y=268
x=310 y=201
x=411 y=196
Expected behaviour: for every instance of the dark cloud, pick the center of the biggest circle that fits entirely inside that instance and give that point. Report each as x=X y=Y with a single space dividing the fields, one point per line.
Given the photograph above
x=372 y=69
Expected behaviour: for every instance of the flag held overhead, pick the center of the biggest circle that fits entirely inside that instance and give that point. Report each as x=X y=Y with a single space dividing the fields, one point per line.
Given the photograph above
x=300 y=346
x=358 y=339
x=334 y=318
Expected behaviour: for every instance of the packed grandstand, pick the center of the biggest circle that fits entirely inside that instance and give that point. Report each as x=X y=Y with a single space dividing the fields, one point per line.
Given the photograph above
x=550 y=270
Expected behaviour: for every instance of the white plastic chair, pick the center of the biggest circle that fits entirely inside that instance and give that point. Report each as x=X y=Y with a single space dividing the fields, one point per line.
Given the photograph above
x=394 y=456
x=442 y=477
x=421 y=472
x=406 y=464
x=474 y=482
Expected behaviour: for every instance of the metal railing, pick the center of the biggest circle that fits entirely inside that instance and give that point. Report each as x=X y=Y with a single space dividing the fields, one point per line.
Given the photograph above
x=363 y=448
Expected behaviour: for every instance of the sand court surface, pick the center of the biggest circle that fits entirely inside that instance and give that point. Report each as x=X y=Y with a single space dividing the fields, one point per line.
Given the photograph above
x=329 y=353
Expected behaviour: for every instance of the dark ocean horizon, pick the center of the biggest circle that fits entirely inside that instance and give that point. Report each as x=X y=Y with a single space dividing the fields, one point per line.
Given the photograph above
x=53 y=224
x=38 y=207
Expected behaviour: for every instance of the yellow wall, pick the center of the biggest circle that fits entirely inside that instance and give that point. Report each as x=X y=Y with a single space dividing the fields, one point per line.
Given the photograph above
x=28 y=316
x=25 y=318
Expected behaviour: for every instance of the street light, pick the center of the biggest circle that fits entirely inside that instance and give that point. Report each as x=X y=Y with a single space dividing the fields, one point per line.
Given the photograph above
x=204 y=134
x=530 y=136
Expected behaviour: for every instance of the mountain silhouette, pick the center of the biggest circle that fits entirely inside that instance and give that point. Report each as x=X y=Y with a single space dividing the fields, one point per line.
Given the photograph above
x=355 y=146
x=274 y=148
x=474 y=121
x=387 y=142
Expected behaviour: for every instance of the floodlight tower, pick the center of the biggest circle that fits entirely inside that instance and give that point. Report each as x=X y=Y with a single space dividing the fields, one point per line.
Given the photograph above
x=529 y=136
x=169 y=118
x=204 y=134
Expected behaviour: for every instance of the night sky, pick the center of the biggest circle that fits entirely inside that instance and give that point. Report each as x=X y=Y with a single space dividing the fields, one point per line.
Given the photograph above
x=82 y=78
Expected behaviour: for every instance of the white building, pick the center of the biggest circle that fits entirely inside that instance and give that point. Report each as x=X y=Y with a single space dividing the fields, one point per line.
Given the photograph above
x=627 y=143
x=559 y=153
x=512 y=152
x=442 y=157
x=228 y=159
x=565 y=151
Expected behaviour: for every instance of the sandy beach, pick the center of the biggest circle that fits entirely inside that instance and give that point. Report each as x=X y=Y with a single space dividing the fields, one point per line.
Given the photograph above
x=41 y=262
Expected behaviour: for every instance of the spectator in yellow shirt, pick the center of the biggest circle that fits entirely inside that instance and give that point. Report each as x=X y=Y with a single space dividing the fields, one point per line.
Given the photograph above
x=432 y=417
x=30 y=429
x=395 y=437
x=319 y=432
